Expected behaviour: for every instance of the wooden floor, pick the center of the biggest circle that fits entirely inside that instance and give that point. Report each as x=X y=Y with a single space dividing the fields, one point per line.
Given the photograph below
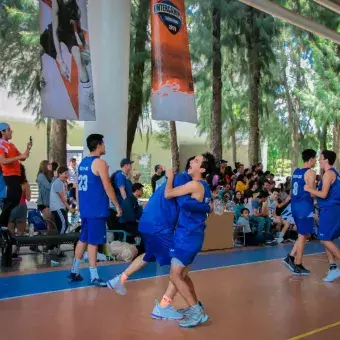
x=256 y=300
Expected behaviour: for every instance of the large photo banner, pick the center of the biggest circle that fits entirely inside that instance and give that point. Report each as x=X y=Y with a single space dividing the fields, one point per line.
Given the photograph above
x=67 y=88
x=172 y=96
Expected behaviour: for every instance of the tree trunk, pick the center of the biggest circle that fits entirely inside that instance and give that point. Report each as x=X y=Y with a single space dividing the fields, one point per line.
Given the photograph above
x=137 y=75
x=58 y=136
x=336 y=142
x=216 y=114
x=174 y=147
x=322 y=136
x=48 y=134
x=234 y=146
x=293 y=124
x=254 y=65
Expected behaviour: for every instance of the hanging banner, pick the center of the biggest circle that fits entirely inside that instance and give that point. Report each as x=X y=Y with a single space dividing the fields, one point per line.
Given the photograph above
x=67 y=90
x=172 y=96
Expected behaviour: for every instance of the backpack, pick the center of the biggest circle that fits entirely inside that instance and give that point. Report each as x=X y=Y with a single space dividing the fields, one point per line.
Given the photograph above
x=3 y=187
x=35 y=218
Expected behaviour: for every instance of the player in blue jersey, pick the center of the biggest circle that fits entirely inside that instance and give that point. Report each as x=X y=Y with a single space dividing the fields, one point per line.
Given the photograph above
x=328 y=197
x=189 y=234
x=302 y=211
x=157 y=226
x=94 y=192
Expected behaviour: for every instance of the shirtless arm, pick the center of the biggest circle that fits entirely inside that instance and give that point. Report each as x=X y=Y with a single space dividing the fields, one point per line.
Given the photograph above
x=100 y=168
x=327 y=180
x=310 y=179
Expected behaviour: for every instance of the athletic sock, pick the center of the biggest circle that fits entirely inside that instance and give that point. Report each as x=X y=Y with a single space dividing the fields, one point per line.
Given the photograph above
x=94 y=273
x=75 y=267
x=332 y=266
x=123 y=278
x=292 y=257
x=165 y=302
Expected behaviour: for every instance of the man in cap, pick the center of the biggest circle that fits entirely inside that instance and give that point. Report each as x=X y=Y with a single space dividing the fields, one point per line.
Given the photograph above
x=10 y=159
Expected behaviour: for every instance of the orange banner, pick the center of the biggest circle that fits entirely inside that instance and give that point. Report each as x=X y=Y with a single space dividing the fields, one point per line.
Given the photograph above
x=172 y=97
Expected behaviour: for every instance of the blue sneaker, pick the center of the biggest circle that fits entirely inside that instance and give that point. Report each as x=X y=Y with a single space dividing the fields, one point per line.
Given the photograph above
x=98 y=283
x=187 y=311
x=195 y=318
x=117 y=285
x=73 y=277
x=332 y=275
x=167 y=313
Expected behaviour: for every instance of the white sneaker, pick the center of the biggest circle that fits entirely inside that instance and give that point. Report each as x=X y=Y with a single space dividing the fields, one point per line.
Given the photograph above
x=332 y=275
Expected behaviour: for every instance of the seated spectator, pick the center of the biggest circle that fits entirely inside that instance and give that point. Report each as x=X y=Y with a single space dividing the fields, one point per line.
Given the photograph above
x=264 y=187
x=239 y=204
x=271 y=181
x=18 y=217
x=243 y=221
x=256 y=216
x=252 y=189
x=229 y=203
x=241 y=184
x=269 y=208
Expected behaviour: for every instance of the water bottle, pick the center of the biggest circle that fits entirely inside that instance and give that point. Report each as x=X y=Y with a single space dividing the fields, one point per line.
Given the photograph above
x=31 y=230
x=218 y=207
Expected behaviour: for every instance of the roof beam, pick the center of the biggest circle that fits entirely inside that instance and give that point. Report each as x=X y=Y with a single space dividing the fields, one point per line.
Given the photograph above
x=329 y=4
x=295 y=19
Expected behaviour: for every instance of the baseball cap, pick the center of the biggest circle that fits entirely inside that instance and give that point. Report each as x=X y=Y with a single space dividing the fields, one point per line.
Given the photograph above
x=125 y=161
x=3 y=126
x=222 y=161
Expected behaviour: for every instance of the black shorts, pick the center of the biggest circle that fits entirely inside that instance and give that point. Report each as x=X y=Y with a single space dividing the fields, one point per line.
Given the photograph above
x=42 y=207
x=47 y=42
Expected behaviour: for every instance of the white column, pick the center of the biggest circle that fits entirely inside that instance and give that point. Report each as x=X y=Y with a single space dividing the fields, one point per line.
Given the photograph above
x=109 y=29
x=264 y=152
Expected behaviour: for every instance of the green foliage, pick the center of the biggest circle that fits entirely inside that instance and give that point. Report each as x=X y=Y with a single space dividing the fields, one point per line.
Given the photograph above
x=20 y=52
x=147 y=190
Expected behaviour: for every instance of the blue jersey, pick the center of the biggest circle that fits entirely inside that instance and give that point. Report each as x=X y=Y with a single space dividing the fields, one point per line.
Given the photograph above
x=195 y=220
x=160 y=215
x=302 y=201
x=93 y=200
x=333 y=197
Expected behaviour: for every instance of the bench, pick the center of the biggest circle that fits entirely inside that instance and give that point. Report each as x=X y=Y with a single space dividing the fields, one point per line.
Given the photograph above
x=7 y=240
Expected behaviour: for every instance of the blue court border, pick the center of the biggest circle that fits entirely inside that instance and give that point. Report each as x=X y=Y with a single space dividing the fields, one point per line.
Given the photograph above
x=55 y=281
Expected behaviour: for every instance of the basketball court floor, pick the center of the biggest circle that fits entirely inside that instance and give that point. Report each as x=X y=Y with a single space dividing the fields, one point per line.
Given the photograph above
x=248 y=294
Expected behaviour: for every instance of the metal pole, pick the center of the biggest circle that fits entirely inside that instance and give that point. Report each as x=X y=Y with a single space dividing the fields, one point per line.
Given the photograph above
x=329 y=4
x=294 y=18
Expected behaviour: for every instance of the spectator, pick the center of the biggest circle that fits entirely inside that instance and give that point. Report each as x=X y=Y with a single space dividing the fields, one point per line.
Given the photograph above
x=229 y=203
x=264 y=187
x=249 y=238
x=269 y=208
x=122 y=184
x=240 y=170
x=73 y=171
x=44 y=179
x=229 y=176
x=59 y=204
x=256 y=216
x=18 y=217
x=241 y=184
x=10 y=158
x=252 y=189
x=159 y=173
